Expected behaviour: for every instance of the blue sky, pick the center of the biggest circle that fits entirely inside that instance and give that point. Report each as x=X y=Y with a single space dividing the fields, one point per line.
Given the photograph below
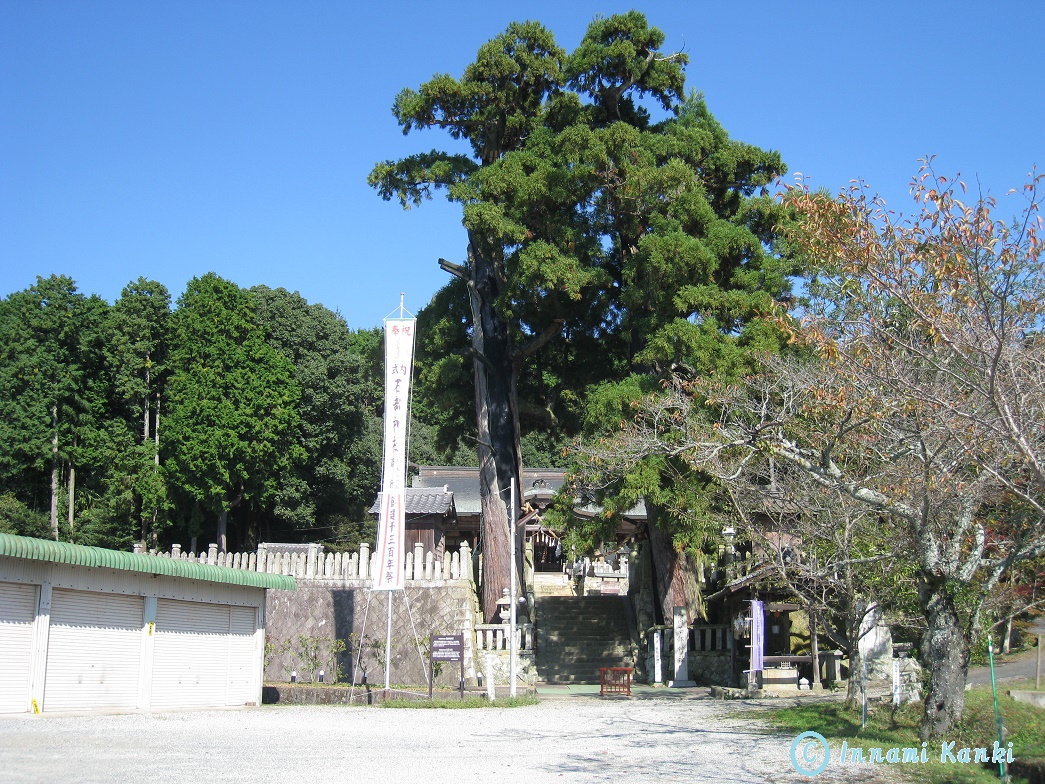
x=170 y=139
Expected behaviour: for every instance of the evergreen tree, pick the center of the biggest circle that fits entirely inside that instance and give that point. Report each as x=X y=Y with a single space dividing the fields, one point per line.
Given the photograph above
x=603 y=242
x=230 y=434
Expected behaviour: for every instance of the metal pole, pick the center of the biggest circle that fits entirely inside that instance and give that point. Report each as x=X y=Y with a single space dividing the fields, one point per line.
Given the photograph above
x=512 y=644
x=863 y=689
x=1037 y=675
x=997 y=716
x=388 y=648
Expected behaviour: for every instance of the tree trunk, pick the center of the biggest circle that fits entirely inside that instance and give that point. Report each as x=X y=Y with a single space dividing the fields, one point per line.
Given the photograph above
x=853 y=691
x=497 y=421
x=156 y=431
x=54 y=472
x=223 y=519
x=145 y=406
x=223 y=524
x=1006 y=639
x=72 y=498
x=814 y=649
x=946 y=653
x=677 y=584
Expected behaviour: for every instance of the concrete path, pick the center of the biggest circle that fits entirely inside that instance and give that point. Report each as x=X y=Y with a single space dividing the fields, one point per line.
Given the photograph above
x=1018 y=666
x=676 y=738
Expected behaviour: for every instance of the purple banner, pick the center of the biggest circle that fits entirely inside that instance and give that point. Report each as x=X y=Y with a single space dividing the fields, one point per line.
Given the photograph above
x=758 y=635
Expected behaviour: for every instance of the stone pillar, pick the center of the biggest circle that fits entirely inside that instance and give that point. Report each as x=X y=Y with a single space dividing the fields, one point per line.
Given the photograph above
x=419 y=561
x=833 y=667
x=175 y=551
x=364 y=561
x=468 y=569
x=212 y=554
x=681 y=644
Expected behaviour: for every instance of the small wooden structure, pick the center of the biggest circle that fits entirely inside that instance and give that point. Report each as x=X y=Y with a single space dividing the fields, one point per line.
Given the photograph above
x=615 y=680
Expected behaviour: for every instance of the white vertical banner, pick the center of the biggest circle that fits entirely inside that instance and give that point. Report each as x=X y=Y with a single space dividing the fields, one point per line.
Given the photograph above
x=399 y=355
x=897 y=696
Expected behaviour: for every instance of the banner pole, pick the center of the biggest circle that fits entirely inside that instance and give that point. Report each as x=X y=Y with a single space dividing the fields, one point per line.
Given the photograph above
x=512 y=643
x=388 y=648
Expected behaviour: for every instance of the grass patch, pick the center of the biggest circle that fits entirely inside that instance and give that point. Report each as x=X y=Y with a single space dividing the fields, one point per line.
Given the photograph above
x=467 y=702
x=1024 y=724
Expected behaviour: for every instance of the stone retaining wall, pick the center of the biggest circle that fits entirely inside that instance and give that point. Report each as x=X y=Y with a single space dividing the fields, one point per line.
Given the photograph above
x=322 y=611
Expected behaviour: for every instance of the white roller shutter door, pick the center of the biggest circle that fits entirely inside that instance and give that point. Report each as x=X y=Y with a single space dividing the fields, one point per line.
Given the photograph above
x=243 y=664
x=93 y=651
x=17 y=611
x=203 y=655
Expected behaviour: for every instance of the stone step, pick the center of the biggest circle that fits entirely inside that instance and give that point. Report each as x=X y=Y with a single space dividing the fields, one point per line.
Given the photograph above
x=598 y=626
x=592 y=648
x=576 y=635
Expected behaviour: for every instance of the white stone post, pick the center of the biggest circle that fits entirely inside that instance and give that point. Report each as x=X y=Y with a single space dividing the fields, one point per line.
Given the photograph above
x=419 y=561
x=491 y=691
x=681 y=644
x=658 y=656
x=364 y=561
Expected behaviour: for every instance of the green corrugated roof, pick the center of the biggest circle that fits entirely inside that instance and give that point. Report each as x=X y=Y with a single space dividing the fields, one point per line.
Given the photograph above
x=80 y=555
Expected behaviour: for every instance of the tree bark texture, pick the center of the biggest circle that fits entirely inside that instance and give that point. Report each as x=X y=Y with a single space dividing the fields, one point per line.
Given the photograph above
x=223 y=527
x=854 y=684
x=497 y=421
x=72 y=497
x=814 y=648
x=675 y=576
x=946 y=652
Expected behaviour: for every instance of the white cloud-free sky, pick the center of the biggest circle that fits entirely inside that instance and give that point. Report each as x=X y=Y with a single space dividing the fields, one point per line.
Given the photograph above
x=167 y=140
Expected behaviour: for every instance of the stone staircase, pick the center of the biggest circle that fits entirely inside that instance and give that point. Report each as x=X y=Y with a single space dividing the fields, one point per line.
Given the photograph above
x=576 y=635
x=552 y=584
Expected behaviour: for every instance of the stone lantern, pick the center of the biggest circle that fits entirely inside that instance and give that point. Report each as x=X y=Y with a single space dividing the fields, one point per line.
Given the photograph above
x=504 y=607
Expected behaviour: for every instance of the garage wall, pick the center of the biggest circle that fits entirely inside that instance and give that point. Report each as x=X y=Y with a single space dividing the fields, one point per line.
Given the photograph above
x=82 y=638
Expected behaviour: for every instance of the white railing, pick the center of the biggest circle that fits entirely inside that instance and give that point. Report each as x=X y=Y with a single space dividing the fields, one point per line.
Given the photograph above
x=495 y=636
x=313 y=563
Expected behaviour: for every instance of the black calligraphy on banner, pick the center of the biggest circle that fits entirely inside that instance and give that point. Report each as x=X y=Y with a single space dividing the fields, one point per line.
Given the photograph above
x=399 y=348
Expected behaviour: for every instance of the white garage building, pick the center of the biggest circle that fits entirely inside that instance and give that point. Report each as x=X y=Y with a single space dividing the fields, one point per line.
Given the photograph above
x=84 y=628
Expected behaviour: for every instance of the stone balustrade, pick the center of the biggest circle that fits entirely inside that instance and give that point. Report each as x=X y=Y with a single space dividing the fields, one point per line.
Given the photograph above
x=311 y=562
x=495 y=637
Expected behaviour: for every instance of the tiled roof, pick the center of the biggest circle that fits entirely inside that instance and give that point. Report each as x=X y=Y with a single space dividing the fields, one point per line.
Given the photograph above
x=463 y=482
x=455 y=489
x=423 y=501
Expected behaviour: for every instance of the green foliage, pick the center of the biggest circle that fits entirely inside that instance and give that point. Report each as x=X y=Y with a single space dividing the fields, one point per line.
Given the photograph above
x=17 y=518
x=233 y=402
x=339 y=376
x=247 y=388
x=638 y=243
x=888 y=727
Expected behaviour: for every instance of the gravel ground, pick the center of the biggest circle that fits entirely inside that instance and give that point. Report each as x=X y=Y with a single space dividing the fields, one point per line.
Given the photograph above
x=560 y=740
